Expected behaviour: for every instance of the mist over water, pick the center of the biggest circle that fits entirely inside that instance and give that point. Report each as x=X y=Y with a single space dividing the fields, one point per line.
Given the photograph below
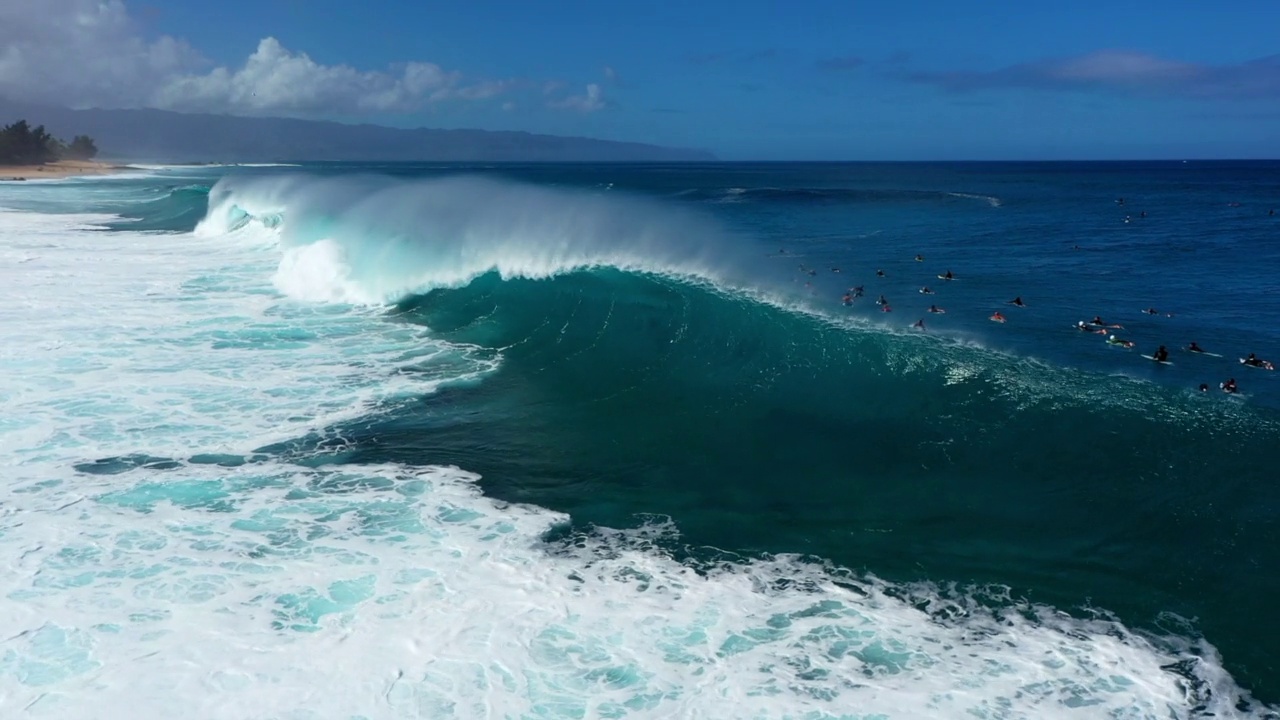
x=581 y=442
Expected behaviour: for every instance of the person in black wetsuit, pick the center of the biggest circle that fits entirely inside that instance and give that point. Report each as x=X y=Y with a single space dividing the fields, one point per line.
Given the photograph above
x=1193 y=347
x=1229 y=386
x=1161 y=355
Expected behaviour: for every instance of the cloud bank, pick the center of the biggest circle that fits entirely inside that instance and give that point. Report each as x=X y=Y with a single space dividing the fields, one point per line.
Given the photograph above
x=86 y=53
x=1123 y=71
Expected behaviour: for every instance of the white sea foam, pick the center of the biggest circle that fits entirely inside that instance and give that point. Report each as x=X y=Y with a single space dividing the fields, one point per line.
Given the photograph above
x=269 y=590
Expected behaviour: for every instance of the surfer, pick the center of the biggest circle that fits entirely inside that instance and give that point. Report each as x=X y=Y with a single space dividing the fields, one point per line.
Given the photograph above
x=1161 y=355
x=847 y=299
x=835 y=269
x=879 y=273
x=857 y=291
x=882 y=301
x=948 y=276
x=1204 y=387
x=1151 y=311
x=919 y=258
x=1097 y=320
x=925 y=290
x=1193 y=347
x=1080 y=325
x=1113 y=340
x=1229 y=386
x=1255 y=361
x=936 y=310
x=1017 y=301
x=919 y=324
x=996 y=317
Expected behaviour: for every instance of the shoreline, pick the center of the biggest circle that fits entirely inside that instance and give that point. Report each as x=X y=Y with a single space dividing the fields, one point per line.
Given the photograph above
x=59 y=170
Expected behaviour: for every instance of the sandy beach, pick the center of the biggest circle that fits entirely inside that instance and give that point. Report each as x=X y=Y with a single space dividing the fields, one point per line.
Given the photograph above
x=62 y=169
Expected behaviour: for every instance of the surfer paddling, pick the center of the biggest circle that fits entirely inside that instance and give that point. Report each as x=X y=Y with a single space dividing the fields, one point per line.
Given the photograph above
x=1257 y=362
x=1113 y=340
x=1097 y=320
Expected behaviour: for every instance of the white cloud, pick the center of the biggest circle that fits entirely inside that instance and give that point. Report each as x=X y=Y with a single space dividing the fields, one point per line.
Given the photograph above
x=274 y=79
x=86 y=52
x=588 y=102
x=90 y=52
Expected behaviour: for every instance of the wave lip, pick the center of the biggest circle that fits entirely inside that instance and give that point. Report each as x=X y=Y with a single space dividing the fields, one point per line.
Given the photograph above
x=374 y=240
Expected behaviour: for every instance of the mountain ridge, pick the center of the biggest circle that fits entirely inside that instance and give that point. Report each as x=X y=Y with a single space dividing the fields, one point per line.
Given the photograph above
x=141 y=135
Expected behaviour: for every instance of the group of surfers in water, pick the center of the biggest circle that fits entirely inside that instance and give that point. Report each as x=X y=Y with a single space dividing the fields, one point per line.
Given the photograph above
x=1096 y=325
x=1161 y=355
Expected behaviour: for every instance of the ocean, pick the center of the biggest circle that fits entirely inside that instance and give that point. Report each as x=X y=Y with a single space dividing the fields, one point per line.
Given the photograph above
x=622 y=441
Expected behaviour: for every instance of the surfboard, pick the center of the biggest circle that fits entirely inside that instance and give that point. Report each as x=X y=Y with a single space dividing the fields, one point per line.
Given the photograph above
x=1202 y=352
x=1161 y=362
x=944 y=277
x=993 y=318
x=1267 y=366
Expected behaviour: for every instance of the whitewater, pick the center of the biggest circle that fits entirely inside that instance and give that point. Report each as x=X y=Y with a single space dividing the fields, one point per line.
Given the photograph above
x=181 y=537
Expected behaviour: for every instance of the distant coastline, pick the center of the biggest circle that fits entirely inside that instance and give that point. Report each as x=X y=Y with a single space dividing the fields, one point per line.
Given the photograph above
x=159 y=136
x=58 y=170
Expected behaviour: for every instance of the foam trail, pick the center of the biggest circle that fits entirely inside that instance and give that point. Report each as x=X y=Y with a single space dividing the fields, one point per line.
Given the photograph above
x=372 y=240
x=395 y=592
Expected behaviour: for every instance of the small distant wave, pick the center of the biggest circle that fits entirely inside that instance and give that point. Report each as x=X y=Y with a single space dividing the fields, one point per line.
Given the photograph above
x=990 y=199
x=198 y=166
x=820 y=196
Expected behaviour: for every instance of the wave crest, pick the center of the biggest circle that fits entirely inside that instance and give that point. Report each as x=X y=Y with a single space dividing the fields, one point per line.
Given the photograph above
x=377 y=240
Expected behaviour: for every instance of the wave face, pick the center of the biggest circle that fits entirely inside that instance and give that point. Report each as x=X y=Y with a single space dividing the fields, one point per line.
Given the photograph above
x=756 y=427
x=470 y=447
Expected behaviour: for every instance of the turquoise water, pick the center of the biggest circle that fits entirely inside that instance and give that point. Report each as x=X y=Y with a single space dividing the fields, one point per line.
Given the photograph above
x=660 y=357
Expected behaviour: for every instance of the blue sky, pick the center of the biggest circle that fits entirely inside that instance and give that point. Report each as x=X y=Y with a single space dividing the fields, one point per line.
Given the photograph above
x=746 y=80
